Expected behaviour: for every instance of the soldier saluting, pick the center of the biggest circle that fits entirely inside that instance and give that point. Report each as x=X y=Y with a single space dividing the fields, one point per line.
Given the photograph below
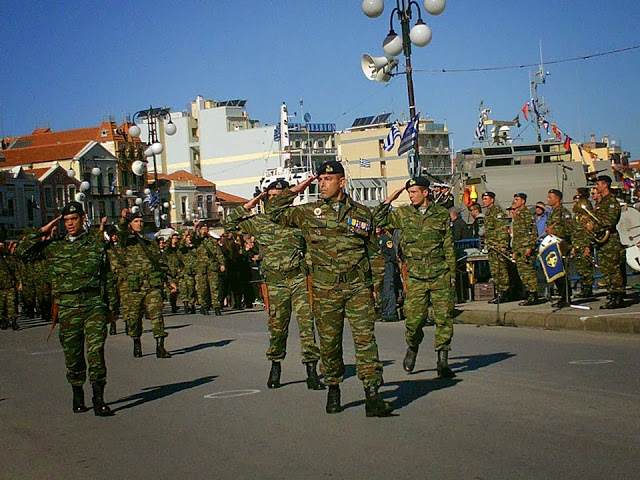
x=337 y=231
x=82 y=292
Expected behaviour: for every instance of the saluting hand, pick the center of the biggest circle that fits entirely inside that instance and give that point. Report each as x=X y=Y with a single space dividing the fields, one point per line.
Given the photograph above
x=394 y=195
x=49 y=226
x=302 y=186
x=254 y=201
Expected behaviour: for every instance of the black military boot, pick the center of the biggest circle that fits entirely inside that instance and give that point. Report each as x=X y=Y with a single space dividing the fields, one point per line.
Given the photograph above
x=14 y=324
x=174 y=308
x=333 y=399
x=216 y=311
x=4 y=325
x=375 y=406
x=187 y=308
x=112 y=328
x=160 y=350
x=313 y=382
x=586 y=292
x=532 y=299
x=78 y=399
x=442 y=367
x=203 y=310
x=137 y=347
x=100 y=408
x=502 y=297
x=409 y=362
x=610 y=302
x=274 y=375
x=616 y=301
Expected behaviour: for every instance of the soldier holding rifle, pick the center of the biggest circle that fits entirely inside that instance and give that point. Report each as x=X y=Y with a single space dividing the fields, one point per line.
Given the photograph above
x=497 y=240
x=285 y=272
x=82 y=293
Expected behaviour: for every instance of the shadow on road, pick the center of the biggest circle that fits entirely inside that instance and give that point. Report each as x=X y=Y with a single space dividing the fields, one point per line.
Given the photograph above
x=351 y=371
x=474 y=362
x=201 y=346
x=176 y=327
x=157 y=392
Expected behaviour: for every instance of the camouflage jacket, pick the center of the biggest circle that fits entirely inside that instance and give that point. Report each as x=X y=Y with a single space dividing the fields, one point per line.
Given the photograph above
x=496 y=233
x=209 y=255
x=189 y=259
x=560 y=223
x=9 y=272
x=283 y=247
x=141 y=260
x=427 y=241
x=173 y=258
x=75 y=268
x=581 y=238
x=608 y=214
x=524 y=230
x=337 y=235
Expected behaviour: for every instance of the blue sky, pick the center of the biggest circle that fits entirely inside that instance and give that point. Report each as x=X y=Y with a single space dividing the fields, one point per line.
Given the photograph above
x=69 y=64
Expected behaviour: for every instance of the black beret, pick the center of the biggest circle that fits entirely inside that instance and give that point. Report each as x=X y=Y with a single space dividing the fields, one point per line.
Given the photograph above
x=73 y=207
x=278 y=185
x=331 y=167
x=489 y=194
x=556 y=192
x=131 y=216
x=521 y=195
x=417 y=182
x=604 y=178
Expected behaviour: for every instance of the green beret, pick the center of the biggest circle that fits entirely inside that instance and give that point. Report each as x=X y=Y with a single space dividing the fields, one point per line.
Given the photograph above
x=73 y=207
x=417 y=182
x=604 y=178
x=278 y=185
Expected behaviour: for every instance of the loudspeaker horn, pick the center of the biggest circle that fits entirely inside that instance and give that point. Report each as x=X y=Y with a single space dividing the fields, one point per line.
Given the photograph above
x=377 y=68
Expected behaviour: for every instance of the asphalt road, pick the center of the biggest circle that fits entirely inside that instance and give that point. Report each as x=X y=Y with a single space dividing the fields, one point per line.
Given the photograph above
x=526 y=403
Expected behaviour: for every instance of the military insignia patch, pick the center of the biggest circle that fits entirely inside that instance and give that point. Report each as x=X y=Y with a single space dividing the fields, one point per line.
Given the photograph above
x=317 y=211
x=73 y=208
x=329 y=169
x=412 y=182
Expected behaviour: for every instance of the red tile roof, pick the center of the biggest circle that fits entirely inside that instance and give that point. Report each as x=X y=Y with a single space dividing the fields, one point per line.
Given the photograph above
x=225 y=197
x=184 y=176
x=38 y=172
x=44 y=136
x=46 y=153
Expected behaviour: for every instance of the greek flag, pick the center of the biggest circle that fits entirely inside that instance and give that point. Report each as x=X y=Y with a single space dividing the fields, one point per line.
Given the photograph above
x=481 y=130
x=390 y=141
x=276 y=133
x=409 y=136
x=153 y=199
x=112 y=188
x=365 y=163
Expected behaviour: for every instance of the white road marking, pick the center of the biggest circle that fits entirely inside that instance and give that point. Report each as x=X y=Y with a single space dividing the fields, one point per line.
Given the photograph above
x=46 y=352
x=232 y=393
x=590 y=362
x=584 y=319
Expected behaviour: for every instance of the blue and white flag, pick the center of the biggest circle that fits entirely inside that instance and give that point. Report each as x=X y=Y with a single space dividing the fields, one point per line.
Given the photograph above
x=112 y=188
x=390 y=141
x=365 y=163
x=409 y=136
x=535 y=109
x=153 y=199
x=276 y=133
x=551 y=261
x=481 y=130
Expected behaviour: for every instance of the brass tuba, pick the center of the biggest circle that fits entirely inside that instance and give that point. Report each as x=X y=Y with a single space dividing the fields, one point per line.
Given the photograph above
x=605 y=236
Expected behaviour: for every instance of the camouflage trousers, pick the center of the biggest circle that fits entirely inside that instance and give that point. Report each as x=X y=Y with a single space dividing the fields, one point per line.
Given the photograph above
x=133 y=306
x=7 y=306
x=526 y=270
x=499 y=271
x=610 y=259
x=584 y=267
x=187 y=287
x=331 y=304
x=208 y=288
x=377 y=276
x=86 y=323
x=420 y=293
x=287 y=296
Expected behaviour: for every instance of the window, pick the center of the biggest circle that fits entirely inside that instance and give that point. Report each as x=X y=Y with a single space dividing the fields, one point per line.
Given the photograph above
x=110 y=179
x=48 y=196
x=60 y=201
x=210 y=208
x=72 y=193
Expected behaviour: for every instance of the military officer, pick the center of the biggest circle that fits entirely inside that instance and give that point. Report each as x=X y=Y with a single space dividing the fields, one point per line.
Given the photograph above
x=146 y=274
x=337 y=231
x=610 y=251
x=524 y=236
x=582 y=241
x=173 y=259
x=211 y=263
x=187 y=285
x=496 y=238
x=446 y=197
x=559 y=223
x=78 y=268
x=427 y=244
x=285 y=272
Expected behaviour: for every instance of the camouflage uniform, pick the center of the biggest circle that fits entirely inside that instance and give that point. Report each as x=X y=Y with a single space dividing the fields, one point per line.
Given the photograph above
x=81 y=290
x=582 y=239
x=210 y=259
x=42 y=289
x=610 y=253
x=337 y=235
x=143 y=283
x=560 y=223
x=188 y=279
x=497 y=237
x=377 y=261
x=285 y=272
x=9 y=278
x=28 y=293
x=173 y=259
x=427 y=244
x=525 y=235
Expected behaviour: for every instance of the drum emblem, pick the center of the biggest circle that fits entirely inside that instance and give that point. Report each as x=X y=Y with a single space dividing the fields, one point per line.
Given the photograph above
x=552 y=259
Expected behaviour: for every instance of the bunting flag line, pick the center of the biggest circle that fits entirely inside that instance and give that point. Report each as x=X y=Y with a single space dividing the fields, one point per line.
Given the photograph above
x=567 y=143
x=524 y=111
x=390 y=141
x=409 y=136
x=535 y=109
x=545 y=125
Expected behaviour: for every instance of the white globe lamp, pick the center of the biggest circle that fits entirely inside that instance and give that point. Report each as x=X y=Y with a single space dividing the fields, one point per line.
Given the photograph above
x=134 y=130
x=157 y=148
x=84 y=186
x=435 y=7
x=420 y=34
x=372 y=8
x=171 y=128
x=392 y=44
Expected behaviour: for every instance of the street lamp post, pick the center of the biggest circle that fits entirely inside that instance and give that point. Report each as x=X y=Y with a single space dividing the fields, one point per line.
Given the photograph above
x=380 y=68
x=154 y=147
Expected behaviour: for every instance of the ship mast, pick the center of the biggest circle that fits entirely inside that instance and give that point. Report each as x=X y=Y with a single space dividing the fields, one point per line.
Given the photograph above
x=539 y=78
x=285 y=150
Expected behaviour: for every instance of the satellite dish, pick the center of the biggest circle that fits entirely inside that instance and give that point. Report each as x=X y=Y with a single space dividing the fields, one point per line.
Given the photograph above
x=307 y=117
